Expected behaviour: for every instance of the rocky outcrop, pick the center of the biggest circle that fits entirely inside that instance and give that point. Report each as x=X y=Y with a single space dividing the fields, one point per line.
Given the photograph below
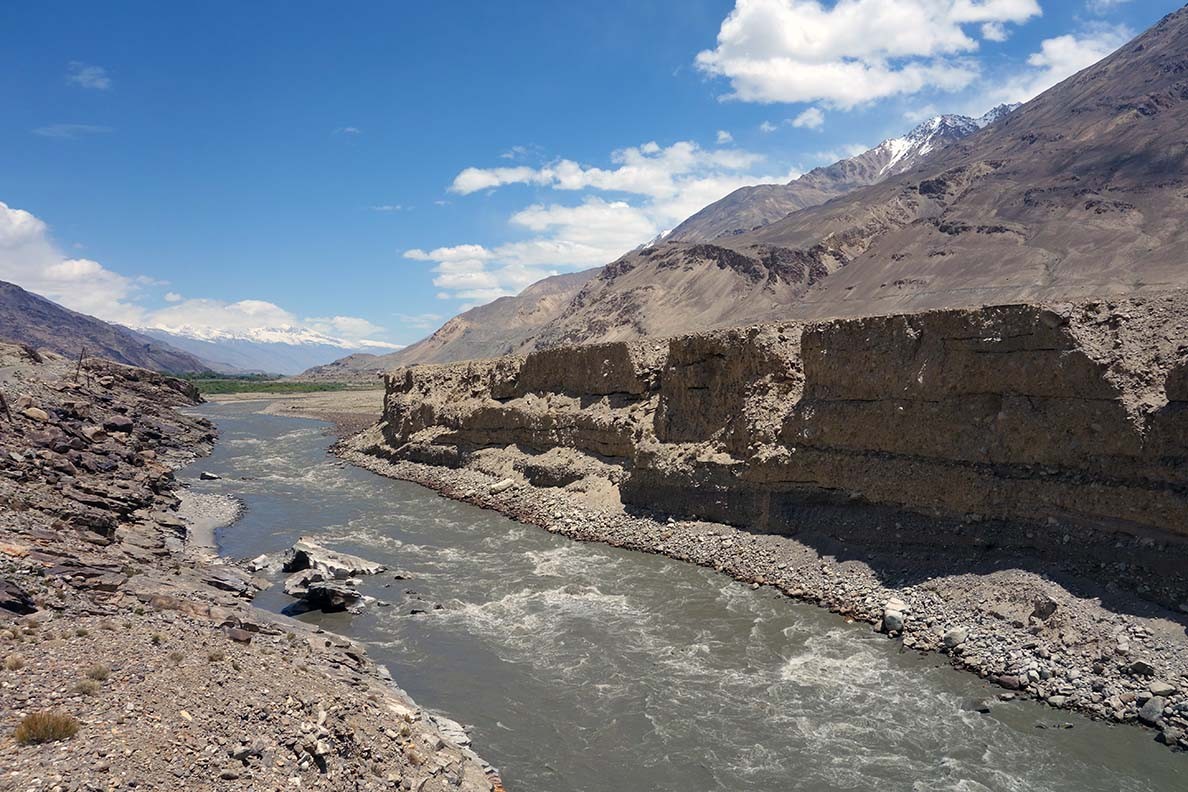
x=325 y=579
x=1071 y=419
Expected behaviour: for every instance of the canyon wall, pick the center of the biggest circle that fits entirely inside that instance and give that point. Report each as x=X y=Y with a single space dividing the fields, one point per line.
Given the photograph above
x=1073 y=415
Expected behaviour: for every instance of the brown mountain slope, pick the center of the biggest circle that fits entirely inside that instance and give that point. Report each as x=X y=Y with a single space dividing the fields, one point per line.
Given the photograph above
x=749 y=208
x=1079 y=192
x=28 y=318
x=497 y=328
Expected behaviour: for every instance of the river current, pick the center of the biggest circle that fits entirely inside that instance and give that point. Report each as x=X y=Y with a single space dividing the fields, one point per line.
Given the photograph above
x=586 y=668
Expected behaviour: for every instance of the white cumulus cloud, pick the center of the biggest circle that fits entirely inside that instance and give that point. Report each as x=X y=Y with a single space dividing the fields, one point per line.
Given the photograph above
x=812 y=118
x=1057 y=59
x=854 y=51
x=646 y=190
x=30 y=258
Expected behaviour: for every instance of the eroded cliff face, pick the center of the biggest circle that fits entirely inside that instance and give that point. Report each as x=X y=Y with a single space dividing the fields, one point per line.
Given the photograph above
x=1073 y=415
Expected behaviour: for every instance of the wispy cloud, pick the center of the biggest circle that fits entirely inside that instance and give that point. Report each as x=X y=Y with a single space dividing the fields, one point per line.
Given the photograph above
x=391 y=208
x=350 y=131
x=812 y=118
x=70 y=131
x=86 y=75
x=724 y=137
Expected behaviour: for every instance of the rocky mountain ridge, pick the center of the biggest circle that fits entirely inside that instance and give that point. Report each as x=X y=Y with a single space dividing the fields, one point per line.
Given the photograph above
x=1077 y=193
x=500 y=327
x=28 y=318
x=750 y=208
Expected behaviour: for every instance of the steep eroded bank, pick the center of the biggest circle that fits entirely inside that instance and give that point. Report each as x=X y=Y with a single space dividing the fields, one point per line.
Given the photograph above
x=976 y=463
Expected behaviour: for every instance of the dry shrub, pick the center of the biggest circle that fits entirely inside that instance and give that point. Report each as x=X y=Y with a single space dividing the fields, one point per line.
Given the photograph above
x=87 y=687
x=14 y=662
x=98 y=672
x=45 y=726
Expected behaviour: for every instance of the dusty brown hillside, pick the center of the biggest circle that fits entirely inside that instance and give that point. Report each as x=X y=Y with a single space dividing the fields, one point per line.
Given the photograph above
x=1080 y=192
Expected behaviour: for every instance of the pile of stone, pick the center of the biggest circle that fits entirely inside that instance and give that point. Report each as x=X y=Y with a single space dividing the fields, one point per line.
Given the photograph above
x=322 y=579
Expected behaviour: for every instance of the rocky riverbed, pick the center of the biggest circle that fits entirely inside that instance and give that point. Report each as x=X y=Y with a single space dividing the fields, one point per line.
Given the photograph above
x=144 y=651
x=1061 y=639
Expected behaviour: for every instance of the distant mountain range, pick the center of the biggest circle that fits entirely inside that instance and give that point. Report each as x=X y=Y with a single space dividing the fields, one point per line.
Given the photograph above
x=31 y=319
x=705 y=290
x=28 y=318
x=1078 y=193
x=749 y=208
x=497 y=328
x=272 y=350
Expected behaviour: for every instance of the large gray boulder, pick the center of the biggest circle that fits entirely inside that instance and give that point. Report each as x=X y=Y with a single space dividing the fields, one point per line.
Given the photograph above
x=307 y=554
x=324 y=579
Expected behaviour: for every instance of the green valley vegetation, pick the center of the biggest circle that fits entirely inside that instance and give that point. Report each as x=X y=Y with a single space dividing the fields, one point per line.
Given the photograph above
x=262 y=383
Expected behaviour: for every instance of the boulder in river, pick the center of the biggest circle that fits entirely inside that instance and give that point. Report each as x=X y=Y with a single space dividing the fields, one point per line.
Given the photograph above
x=305 y=554
x=318 y=592
x=325 y=579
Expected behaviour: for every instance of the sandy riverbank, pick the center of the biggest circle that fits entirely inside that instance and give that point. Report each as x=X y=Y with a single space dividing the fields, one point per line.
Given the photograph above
x=350 y=411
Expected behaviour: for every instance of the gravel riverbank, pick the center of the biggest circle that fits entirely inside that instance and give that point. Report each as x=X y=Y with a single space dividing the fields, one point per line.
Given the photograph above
x=135 y=651
x=1027 y=634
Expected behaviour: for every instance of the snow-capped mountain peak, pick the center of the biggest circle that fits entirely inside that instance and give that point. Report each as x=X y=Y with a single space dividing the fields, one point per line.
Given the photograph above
x=280 y=334
x=901 y=153
x=277 y=349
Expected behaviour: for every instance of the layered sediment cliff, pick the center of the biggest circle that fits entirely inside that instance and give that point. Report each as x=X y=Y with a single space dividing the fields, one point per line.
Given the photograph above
x=1072 y=418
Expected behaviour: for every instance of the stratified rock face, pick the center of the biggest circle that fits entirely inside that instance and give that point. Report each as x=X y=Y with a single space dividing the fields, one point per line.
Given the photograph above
x=1074 y=413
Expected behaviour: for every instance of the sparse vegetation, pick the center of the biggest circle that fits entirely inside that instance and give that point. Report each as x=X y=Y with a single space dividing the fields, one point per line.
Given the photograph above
x=87 y=687
x=98 y=672
x=176 y=657
x=216 y=655
x=157 y=639
x=82 y=632
x=259 y=383
x=14 y=662
x=45 y=726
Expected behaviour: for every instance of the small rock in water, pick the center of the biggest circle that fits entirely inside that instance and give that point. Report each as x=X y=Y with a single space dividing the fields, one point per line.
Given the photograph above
x=206 y=475
x=893 y=615
x=1152 y=710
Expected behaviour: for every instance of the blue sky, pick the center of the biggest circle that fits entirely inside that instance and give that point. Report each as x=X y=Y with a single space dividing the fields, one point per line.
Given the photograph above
x=368 y=169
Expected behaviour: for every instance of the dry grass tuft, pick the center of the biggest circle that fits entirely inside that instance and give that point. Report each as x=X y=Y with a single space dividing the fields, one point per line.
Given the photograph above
x=87 y=687
x=216 y=656
x=14 y=662
x=98 y=672
x=45 y=726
